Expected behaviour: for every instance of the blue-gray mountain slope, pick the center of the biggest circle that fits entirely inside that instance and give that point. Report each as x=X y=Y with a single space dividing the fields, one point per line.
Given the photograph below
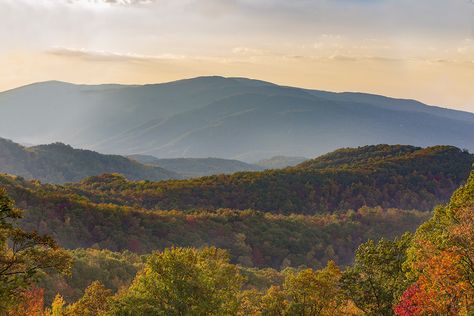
x=222 y=117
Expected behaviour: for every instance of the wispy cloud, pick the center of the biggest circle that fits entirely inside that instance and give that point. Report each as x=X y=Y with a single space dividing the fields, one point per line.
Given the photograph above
x=255 y=55
x=98 y=55
x=111 y=2
x=310 y=42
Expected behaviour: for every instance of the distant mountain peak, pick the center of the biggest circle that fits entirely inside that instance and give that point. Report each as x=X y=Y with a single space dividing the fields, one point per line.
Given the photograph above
x=224 y=117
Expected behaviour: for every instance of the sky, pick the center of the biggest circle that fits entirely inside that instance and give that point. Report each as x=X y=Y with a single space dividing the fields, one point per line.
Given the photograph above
x=419 y=49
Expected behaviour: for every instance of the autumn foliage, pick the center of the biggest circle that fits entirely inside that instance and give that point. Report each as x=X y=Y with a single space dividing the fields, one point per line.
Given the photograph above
x=273 y=264
x=441 y=260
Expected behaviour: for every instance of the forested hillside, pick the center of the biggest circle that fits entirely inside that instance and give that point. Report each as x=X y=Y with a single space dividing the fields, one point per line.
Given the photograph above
x=59 y=163
x=252 y=238
x=402 y=177
x=208 y=158
x=370 y=156
x=426 y=273
x=337 y=221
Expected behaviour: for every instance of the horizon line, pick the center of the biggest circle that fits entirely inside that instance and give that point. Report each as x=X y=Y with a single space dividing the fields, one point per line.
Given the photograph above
x=232 y=77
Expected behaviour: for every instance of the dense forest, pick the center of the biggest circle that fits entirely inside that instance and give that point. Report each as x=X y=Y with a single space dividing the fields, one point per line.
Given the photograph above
x=253 y=238
x=108 y=246
x=430 y=272
x=404 y=177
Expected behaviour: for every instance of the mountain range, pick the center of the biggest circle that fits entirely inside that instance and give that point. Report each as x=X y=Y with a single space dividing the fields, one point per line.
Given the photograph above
x=234 y=118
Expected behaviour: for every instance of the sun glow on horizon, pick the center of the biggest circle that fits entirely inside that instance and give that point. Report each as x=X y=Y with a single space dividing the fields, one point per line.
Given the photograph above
x=425 y=53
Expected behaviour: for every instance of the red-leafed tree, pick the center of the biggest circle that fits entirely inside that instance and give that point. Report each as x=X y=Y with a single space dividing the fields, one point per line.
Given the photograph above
x=441 y=260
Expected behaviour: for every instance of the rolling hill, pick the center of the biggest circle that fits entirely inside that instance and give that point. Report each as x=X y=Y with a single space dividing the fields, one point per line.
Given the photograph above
x=233 y=118
x=59 y=163
x=253 y=238
x=381 y=175
x=397 y=176
x=197 y=167
x=343 y=198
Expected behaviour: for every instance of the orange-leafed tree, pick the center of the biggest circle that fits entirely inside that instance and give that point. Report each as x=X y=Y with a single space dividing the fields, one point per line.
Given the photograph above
x=32 y=303
x=441 y=260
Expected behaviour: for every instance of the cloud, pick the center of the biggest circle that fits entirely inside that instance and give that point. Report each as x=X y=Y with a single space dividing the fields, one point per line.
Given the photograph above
x=109 y=56
x=248 y=51
x=112 y=2
x=389 y=35
x=462 y=56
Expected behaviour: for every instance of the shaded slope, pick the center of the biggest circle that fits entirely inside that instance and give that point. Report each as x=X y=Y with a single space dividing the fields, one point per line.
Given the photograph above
x=233 y=118
x=59 y=163
x=350 y=158
x=252 y=126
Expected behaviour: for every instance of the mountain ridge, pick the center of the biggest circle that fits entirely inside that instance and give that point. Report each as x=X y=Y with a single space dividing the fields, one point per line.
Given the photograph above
x=262 y=82
x=59 y=163
x=233 y=118
x=419 y=178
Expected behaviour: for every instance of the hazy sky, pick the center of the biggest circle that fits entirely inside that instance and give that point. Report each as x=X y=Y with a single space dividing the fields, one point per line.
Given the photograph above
x=422 y=49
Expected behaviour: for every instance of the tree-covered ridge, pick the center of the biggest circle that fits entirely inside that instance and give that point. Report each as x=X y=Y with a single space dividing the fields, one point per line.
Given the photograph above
x=59 y=163
x=373 y=155
x=428 y=273
x=252 y=238
x=389 y=176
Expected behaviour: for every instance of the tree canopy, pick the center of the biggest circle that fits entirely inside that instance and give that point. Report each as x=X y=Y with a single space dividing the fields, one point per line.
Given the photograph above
x=23 y=255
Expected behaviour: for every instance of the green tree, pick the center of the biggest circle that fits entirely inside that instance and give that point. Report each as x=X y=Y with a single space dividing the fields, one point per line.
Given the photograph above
x=250 y=303
x=93 y=303
x=23 y=255
x=376 y=280
x=183 y=281
x=274 y=302
x=58 y=307
x=441 y=259
x=313 y=293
